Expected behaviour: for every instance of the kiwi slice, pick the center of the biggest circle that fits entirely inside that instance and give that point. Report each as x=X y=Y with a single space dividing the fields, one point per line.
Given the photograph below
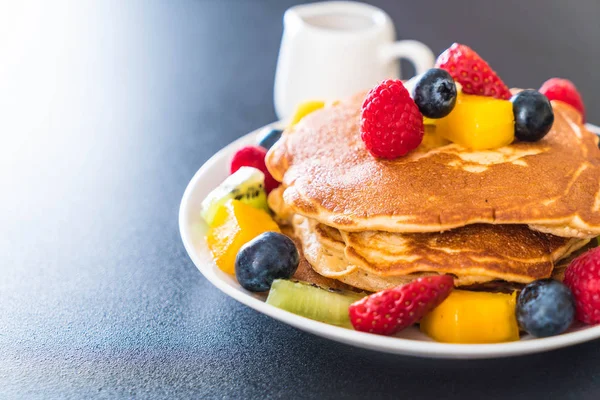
x=312 y=301
x=247 y=184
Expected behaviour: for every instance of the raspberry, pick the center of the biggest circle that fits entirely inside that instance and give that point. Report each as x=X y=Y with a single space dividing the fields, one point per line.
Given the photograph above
x=391 y=124
x=583 y=278
x=392 y=310
x=563 y=90
x=253 y=156
x=472 y=72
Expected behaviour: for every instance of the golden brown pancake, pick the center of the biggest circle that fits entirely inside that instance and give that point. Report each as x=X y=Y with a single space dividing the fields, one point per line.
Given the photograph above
x=560 y=267
x=306 y=273
x=475 y=255
x=328 y=175
x=328 y=260
x=512 y=253
x=282 y=212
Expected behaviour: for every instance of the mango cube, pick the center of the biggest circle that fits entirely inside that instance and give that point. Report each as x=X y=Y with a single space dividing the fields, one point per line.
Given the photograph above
x=235 y=224
x=478 y=122
x=473 y=317
x=303 y=109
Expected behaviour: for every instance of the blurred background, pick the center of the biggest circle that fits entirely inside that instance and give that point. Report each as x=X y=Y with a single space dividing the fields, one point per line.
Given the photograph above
x=108 y=108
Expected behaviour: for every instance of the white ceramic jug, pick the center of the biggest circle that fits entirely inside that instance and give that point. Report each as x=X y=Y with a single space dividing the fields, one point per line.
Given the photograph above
x=334 y=49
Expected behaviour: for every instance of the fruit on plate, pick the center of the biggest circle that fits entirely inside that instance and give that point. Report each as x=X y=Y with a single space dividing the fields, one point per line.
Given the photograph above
x=253 y=156
x=478 y=122
x=246 y=185
x=473 y=317
x=435 y=93
x=305 y=108
x=410 y=86
x=392 y=310
x=472 y=72
x=563 y=90
x=411 y=83
x=431 y=139
x=533 y=115
x=268 y=137
x=390 y=122
x=545 y=308
x=235 y=224
x=583 y=278
x=269 y=256
x=314 y=302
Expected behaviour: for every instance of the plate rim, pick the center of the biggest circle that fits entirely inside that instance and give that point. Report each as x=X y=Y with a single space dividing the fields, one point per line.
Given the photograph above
x=390 y=345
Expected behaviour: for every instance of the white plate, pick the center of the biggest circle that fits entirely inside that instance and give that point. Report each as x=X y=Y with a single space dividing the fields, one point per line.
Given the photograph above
x=409 y=342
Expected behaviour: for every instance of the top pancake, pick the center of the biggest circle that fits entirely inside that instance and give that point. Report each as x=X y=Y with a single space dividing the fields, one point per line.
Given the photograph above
x=328 y=175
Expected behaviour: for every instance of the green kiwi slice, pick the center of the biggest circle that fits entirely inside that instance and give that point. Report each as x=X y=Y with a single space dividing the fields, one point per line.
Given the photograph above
x=312 y=301
x=247 y=184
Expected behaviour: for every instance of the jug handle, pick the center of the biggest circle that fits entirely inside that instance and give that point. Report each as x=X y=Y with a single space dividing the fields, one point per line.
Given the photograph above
x=414 y=51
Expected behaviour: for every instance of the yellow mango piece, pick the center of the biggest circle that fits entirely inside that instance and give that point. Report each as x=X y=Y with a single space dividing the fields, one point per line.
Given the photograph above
x=304 y=109
x=478 y=122
x=431 y=139
x=473 y=317
x=236 y=224
x=428 y=121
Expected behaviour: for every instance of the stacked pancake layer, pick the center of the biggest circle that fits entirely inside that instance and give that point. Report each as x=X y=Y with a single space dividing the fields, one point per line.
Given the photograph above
x=476 y=254
x=507 y=214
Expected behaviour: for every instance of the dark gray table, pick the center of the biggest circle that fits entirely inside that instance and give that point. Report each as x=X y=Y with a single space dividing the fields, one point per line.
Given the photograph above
x=109 y=108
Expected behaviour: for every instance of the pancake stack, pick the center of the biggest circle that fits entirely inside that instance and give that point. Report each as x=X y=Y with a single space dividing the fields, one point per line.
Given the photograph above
x=506 y=216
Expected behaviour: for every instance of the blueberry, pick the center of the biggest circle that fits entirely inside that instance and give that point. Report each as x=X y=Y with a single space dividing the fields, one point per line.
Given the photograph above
x=545 y=308
x=435 y=93
x=265 y=258
x=533 y=115
x=268 y=137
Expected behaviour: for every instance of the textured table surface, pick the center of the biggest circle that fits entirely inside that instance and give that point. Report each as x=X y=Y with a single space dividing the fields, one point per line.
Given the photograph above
x=107 y=109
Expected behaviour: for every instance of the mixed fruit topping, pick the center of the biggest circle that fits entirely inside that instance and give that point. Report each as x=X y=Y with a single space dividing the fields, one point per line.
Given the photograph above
x=472 y=72
x=254 y=156
x=563 y=90
x=246 y=185
x=435 y=93
x=314 y=302
x=465 y=102
x=267 y=257
x=234 y=225
x=304 y=109
x=391 y=123
x=269 y=137
x=392 y=310
x=545 y=308
x=583 y=278
x=473 y=317
x=478 y=122
x=533 y=115
x=461 y=101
